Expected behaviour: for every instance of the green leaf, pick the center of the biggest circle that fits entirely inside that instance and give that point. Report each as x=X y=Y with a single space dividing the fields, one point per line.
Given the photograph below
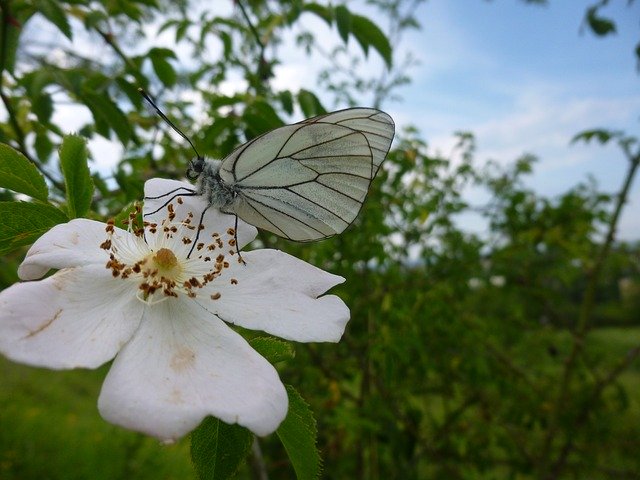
x=599 y=135
x=19 y=17
x=343 y=20
x=164 y=70
x=298 y=434
x=77 y=178
x=273 y=349
x=42 y=106
x=22 y=223
x=218 y=449
x=260 y=117
x=320 y=10
x=43 y=145
x=309 y=103
x=601 y=26
x=286 y=100
x=369 y=34
x=20 y=175
x=53 y=12
x=106 y=114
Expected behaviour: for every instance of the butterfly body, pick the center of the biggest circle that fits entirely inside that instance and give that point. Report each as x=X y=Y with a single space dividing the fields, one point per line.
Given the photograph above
x=218 y=193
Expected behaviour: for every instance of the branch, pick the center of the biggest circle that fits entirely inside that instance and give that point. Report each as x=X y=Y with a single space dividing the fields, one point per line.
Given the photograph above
x=584 y=317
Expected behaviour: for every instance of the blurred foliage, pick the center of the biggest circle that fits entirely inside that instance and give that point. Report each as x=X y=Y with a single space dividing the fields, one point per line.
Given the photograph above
x=467 y=356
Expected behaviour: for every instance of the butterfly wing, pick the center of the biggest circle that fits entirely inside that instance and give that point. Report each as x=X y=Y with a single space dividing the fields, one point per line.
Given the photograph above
x=377 y=126
x=305 y=181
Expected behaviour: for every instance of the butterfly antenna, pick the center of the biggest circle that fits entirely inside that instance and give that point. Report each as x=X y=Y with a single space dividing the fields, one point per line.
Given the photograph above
x=148 y=98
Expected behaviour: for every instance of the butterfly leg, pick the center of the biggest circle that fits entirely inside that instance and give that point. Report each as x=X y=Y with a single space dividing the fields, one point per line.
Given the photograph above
x=175 y=193
x=235 y=237
x=198 y=230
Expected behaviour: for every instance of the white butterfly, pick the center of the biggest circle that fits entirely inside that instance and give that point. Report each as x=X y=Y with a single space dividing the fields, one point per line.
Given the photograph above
x=305 y=181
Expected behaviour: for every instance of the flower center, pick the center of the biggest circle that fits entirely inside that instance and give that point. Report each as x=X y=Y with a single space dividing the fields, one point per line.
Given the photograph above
x=166 y=262
x=157 y=257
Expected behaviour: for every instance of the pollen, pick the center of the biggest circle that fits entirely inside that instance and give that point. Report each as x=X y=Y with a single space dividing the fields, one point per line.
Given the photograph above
x=152 y=255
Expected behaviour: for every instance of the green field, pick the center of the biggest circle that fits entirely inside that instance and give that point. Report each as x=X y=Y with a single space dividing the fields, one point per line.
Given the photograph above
x=50 y=427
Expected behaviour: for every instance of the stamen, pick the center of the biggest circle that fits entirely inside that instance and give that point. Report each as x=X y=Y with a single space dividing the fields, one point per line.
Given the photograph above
x=154 y=257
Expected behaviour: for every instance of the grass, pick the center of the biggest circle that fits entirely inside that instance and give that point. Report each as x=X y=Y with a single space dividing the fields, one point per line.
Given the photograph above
x=50 y=427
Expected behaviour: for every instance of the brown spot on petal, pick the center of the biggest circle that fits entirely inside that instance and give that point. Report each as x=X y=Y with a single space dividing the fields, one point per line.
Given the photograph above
x=176 y=397
x=182 y=359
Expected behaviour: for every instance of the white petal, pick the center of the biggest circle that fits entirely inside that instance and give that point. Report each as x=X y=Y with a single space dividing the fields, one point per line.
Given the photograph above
x=278 y=293
x=79 y=317
x=70 y=244
x=184 y=364
x=214 y=220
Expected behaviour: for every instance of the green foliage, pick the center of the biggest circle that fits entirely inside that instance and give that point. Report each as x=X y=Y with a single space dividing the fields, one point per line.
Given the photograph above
x=20 y=175
x=298 y=434
x=77 y=179
x=467 y=356
x=273 y=349
x=23 y=223
x=218 y=449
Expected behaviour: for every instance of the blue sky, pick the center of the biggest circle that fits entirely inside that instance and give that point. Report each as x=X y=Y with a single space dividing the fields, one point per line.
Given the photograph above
x=524 y=79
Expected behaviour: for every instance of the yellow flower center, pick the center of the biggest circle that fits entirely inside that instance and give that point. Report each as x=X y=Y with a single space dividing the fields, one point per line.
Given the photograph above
x=166 y=263
x=168 y=271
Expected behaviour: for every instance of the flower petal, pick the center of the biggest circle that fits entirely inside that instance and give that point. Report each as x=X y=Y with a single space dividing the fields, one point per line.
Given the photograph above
x=79 y=317
x=71 y=244
x=214 y=220
x=182 y=365
x=278 y=293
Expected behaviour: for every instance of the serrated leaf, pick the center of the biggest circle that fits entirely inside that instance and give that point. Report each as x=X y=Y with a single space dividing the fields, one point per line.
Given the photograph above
x=273 y=349
x=77 y=178
x=309 y=103
x=218 y=449
x=298 y=434
x=369 y=34
x=22 y=223
x=343 y=21
x=20 y=175
x=53 y=12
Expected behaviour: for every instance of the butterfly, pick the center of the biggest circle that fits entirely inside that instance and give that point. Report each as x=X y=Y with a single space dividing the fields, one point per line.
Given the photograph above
x=306 y=181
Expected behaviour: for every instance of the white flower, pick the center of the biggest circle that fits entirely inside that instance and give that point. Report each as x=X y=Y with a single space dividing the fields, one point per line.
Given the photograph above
x=157 y=301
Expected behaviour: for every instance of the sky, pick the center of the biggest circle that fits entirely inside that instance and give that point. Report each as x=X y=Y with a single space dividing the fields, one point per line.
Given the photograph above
x=521 y=78
x=526 y=79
